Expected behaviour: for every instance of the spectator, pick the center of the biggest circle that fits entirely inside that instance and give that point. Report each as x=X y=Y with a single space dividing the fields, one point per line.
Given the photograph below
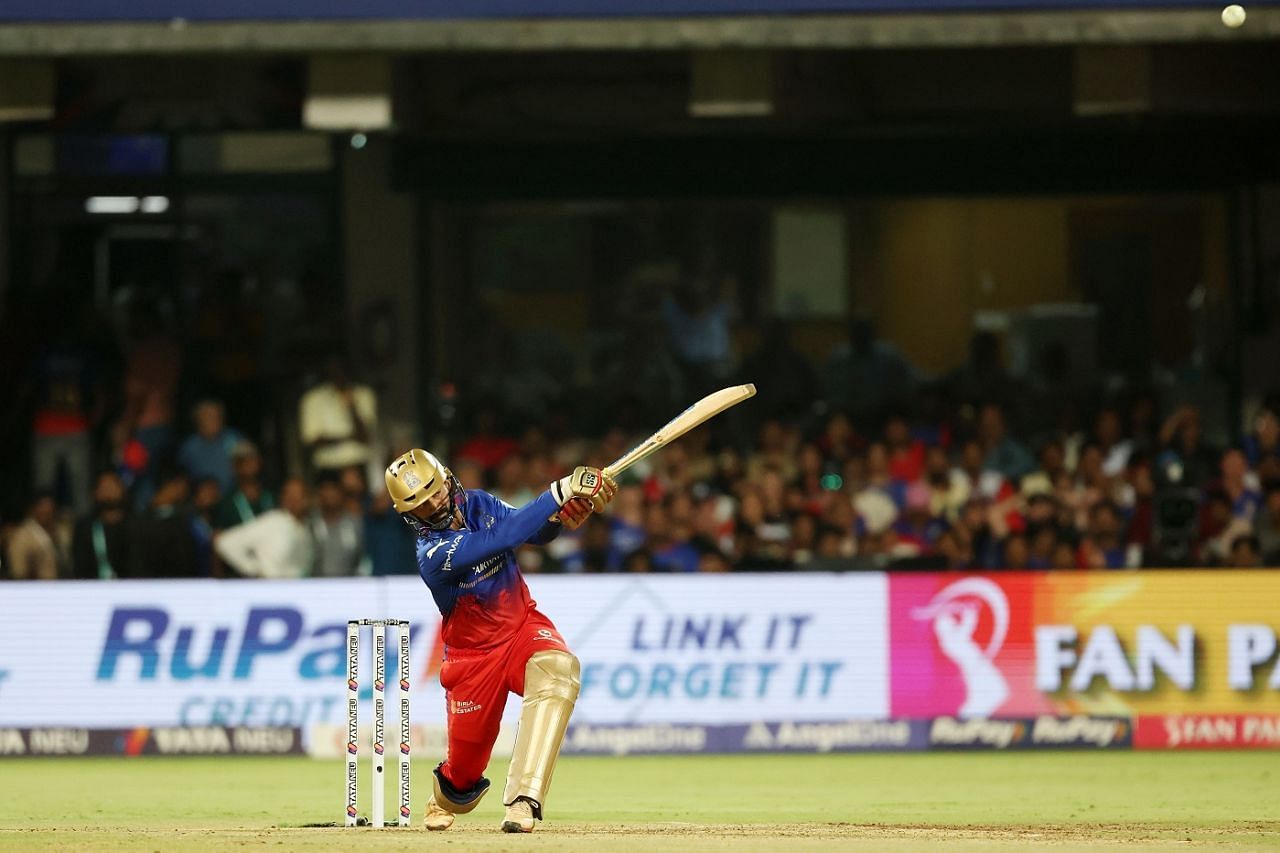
x=668 y=543
x=67 y=404
x=1103 y=548
x=337 y=535
x=786 y=383
x=33 y=550
x=1003 y=453
x=865 y=376
x=510 y=481
x=275 y=543
x=1109 y=432
x=1246 y=553
x=162 y=543
x=145 y=428
x=207 y=453
x=1184 y=456
x=1263 y=443
x=906 y=455
x=697 y=315
x=626 y=524
x=204 y=503
x=248 y=498
x=338 y=419
x=1017 y=553
x=100 y=540
x=1052 y=459
x=1266 y=525
x=1237 y=484
x=488 y=446
x=775 y=451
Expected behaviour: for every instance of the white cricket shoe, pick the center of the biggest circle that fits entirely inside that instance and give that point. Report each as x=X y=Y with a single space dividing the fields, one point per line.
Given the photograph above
x=519 y=817
x=437 y=818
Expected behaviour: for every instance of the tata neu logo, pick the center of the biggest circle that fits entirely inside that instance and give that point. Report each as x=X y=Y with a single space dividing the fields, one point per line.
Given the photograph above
x=954 y=614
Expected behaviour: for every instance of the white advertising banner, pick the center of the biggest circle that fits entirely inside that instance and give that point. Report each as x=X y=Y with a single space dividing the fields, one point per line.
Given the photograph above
x=662 y=649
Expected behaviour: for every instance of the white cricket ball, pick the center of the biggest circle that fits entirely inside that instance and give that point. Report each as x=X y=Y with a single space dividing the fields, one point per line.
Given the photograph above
x=1233 y=16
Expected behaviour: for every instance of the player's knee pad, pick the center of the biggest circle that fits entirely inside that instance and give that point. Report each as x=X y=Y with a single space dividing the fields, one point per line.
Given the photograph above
x=553 y=673
x=451 y=799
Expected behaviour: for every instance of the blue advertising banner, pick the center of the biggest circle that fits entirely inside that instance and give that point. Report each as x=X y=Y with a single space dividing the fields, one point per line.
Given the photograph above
x=227 y=10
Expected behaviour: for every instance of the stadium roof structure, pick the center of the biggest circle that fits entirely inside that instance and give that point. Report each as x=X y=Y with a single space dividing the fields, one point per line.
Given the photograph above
x=816 y=31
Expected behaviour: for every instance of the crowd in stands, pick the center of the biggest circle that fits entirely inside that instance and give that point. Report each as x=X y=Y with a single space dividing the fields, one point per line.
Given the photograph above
x=858 y=465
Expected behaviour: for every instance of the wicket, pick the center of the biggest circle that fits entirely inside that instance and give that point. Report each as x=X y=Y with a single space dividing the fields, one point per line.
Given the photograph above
x=378 y=805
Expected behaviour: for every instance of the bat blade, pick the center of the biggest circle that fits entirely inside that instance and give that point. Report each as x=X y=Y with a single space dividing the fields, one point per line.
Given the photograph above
x=697 y=414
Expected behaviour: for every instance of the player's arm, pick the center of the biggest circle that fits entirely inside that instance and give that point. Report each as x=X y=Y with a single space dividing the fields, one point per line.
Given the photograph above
x=472 y=547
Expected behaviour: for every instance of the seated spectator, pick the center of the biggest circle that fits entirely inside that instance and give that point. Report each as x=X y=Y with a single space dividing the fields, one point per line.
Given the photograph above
x=1246 y=553
x=100 y=540
x=274 y=544
x=1052 y=465
x=669 y=543
x=336 y=534
x=1239 y=485
x=338 y=419
x=1263 y=443
x=206 y=454
x=487 y=445
x=511 y=481
x=1043 y=540
x=1266 y=524
x=1016 y=554
x=162 y=544
x=775 y=450
x=33 y=548
x=1104 y=546
x=248 y=498
x=639 y=561
x=389 y=540
x=626 y=525
x=768 y=533
x=917 y=529
x=355 y=490
x=713 y=561
x=593 y=554
x=833 y=550
x=1003 y=453
x=1065 y=556
x=906 y=454
x=203 y=505
x=1108 y=431
x=838 y=441
x=1185 y=458
x=973 y=478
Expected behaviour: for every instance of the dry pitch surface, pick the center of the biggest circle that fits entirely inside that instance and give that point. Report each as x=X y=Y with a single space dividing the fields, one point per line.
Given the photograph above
x=1066 y=801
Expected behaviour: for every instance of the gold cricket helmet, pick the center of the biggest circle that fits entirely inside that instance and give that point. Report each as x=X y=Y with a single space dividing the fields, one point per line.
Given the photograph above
x=414 y=477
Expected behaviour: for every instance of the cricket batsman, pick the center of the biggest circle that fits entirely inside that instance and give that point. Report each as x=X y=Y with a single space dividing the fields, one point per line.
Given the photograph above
x=495 y=638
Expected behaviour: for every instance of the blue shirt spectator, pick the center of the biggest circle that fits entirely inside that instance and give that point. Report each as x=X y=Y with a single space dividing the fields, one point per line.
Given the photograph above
x=206 y=454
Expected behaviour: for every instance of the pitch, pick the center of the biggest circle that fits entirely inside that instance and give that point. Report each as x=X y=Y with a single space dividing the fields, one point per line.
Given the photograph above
x=811 y=802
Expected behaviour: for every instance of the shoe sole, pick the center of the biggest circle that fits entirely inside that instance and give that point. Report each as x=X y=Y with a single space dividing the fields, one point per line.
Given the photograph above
x=514 y=826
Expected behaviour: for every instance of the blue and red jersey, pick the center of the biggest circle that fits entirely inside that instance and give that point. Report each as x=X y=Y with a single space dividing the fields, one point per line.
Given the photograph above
x=473 y=574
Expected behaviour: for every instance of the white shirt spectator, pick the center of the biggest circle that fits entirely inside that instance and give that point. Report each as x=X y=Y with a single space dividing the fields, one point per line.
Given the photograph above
x=273 y=545
x=323 y=413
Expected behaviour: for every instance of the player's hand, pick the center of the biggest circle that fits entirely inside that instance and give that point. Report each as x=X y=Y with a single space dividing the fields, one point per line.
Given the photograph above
x=585 y=482
x=574 y=513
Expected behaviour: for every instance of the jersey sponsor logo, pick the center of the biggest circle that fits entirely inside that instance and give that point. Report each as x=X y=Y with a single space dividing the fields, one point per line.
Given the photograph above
x=464 y=706
x=544 y=634
x=453 y=549
x=431 y=552
x=487 y=569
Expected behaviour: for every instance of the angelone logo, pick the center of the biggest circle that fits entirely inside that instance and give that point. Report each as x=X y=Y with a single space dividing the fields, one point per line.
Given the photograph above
x=954 y=614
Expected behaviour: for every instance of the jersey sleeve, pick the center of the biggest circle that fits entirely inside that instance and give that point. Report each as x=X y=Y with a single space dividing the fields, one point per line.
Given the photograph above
x=459 y=549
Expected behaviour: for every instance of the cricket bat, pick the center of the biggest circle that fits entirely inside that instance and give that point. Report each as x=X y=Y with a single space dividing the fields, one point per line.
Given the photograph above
x=699 y=413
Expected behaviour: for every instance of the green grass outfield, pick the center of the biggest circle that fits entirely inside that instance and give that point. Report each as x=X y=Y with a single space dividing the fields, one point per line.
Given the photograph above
x=1067 y=800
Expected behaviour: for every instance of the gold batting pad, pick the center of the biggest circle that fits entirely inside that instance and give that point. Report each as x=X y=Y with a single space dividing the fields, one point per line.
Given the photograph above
x=550 y=689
